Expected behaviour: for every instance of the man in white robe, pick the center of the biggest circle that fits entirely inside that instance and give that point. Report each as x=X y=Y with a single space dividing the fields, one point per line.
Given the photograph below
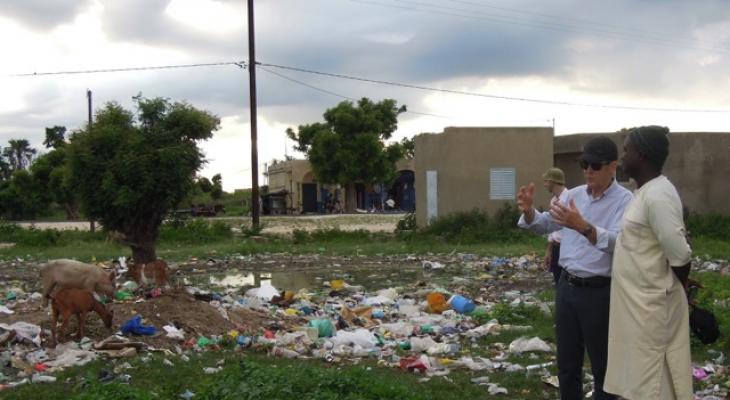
x=648 y=340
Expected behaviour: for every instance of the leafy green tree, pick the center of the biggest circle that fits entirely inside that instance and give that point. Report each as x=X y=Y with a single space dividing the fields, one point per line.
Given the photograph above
x=49 y=170
x=19 y=154
x=216 y=193
x=128 y=173
x=205 y=185
x=5 y=170
x=55 y=137
x=217 y=180
x=409 y=147
x=22 y=197
x=348 y=147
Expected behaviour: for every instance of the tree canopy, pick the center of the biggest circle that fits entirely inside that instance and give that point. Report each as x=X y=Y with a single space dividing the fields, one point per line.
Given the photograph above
x=348 y=147
x=19 y=154
x=50 y=171
x=128 y=172
x=55 y=137
x=22 y=197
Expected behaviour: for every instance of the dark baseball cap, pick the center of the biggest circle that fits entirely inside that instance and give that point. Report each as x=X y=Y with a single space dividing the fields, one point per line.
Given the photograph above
x=599 y=150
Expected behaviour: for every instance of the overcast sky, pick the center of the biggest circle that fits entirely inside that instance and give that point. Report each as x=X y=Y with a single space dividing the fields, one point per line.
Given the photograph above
x=584 y=66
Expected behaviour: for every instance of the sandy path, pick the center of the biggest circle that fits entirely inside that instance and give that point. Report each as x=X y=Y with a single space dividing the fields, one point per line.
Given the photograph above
x=384 y=222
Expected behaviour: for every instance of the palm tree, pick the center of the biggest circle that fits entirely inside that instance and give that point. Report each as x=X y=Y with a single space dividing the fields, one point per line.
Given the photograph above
x=19 y=154
x=5 y=170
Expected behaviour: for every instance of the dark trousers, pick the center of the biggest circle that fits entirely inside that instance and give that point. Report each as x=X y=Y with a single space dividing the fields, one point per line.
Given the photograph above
x=555 y=268
x=581 y=324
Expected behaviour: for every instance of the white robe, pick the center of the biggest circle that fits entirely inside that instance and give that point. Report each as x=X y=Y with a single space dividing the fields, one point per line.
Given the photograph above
x=649 y=317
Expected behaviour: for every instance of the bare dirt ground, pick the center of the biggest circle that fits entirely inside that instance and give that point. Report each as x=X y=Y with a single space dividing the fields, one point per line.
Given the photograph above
x=373 y=222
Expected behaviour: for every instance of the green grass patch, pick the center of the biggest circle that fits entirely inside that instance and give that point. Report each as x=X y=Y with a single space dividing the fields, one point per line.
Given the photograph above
x=476 y=226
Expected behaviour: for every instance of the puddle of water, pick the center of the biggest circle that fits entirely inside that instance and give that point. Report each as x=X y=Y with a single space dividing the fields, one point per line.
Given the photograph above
x=371 y=279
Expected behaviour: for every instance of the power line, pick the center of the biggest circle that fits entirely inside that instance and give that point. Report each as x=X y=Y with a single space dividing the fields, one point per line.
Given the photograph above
x=662 y=34
x=306 y=84
x=98 y=71
x=338 y=95
x=471 y=14
x=562 y=103
x=242 y=64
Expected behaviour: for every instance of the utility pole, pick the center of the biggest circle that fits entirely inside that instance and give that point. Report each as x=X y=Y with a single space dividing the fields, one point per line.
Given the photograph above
x=252 y=91
x=92 y=225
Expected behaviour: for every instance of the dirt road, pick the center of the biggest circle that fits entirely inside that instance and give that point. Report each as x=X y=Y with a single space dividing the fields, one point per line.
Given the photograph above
x=374 y=222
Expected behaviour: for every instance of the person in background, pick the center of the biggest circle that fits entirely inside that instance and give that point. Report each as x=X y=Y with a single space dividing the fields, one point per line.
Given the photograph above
x=554 y=182
x=590 y=222
x=648 y=340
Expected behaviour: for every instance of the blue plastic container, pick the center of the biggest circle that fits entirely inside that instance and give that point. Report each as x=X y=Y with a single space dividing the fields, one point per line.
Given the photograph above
x=461 y=304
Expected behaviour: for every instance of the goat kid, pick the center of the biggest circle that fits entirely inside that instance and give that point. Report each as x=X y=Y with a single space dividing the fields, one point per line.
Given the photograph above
x=152 y=273
x=79 y=302
x=68 y=274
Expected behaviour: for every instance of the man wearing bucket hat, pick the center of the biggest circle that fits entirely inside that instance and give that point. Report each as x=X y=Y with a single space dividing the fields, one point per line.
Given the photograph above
x=554 y=182
x=590 y=222
x=648 y=340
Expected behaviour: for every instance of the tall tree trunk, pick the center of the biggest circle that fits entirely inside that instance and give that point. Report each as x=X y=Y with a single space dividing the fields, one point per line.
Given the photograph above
x=143 y=245
x=71 y=212
x=350 y=198
x=143 y=253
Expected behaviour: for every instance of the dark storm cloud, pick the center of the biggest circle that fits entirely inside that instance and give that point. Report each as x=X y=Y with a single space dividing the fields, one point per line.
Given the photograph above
x=43 y=15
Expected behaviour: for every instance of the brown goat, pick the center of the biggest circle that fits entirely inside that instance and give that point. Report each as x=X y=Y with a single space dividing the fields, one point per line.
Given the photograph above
x=155 y=272
x=79 y=302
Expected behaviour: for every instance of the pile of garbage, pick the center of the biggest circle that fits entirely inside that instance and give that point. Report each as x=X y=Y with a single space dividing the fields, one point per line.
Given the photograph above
x=423 y=328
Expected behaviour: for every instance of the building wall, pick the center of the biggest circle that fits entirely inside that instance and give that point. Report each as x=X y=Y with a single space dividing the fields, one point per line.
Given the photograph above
x=462 y=158
x=697 y=166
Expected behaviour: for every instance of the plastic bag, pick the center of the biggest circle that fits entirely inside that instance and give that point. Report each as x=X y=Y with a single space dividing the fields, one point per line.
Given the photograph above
x=704 y=325
x=324 y=326
x=134 y=326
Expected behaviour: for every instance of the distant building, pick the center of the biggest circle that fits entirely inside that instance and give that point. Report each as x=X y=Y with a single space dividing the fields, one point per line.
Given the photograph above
x=294 y=189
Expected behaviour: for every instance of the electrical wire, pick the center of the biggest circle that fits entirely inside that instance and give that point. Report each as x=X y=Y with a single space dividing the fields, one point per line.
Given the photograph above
x=242 y=64
x=99 y=71
x=471 y=14
x=335 y=94
x=580 y=21
x=562 y=103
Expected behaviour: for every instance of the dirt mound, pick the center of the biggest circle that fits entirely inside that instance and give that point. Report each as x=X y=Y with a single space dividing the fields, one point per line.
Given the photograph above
x=196 y=317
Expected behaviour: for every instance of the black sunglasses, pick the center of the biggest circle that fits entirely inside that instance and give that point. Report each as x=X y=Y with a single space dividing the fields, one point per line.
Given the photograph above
x=596 y=166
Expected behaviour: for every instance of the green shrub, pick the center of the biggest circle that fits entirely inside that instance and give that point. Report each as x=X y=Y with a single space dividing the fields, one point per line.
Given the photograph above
x=301 y=236
x=195 y=231
x=714 y=225
x=33 y=237
x=332 y=235
x=9 y=232
x=407 y=223
x=253 y=230
x=476 y=226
